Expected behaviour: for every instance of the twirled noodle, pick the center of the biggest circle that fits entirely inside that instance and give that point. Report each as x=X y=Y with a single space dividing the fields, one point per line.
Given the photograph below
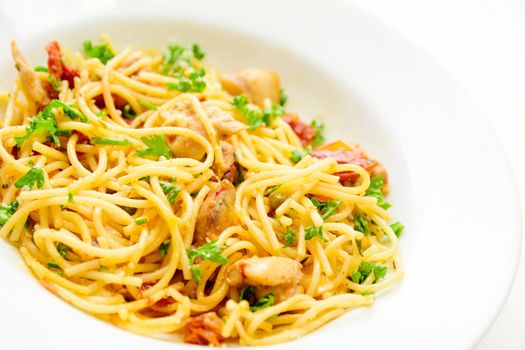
x=159 y=209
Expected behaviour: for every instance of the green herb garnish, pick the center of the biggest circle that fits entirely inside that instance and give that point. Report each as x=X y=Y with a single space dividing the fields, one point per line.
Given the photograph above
x=103 y=52
x=156 y=147
x=142 y=221
x=35 y=176
x=326 y=209
x=164 y=247
x=312 y=231
x=209 y=251
x=374 y=190
x=298 y=155
x=290 y=236
x=398 y=228
x=170 y=190
x=6 y=211
x=110 y=141
x=366 y=268
x=147 y=104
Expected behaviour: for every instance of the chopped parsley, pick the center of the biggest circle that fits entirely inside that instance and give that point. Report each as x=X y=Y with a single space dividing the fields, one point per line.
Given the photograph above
x=103 y=52
x=41 y=69
x=6 y=211
x=194 y=82
x=360 y=224
x=45 y=122
x=62 y=249
x=256 y=117
x=319 y=130
x=142 y=221
x=366 y=268
x=164 y=247
x=70 y=198
x=272 y=189
x=170 y=190
x=248 y=294
x=103 y=112
x=156 y=147
x=35 y=176
x=326 y=209
x=266 y=301
x=298 y=155
x=177 y=58
x=110 y=141
x=56 y=83
x=283 y=97
x=398 y=228
x=209 y=251
x=312 y=231
x=129 y=113
x=147 y=104
x=374 y=190
x=53 y=265
x=290 y=236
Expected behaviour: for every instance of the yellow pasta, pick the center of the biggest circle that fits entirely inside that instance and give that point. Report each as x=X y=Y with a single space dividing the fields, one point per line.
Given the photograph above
x=154 y=192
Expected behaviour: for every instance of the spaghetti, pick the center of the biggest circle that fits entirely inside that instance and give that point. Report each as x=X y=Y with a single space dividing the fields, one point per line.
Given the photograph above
x=164 y=197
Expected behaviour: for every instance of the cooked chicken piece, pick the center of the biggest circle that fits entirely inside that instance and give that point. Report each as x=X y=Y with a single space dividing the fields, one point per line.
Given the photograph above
x=267 y=271
x=271 y=274
x=216 y=213
x=183 y=146
x=30 y=80
x=258 y=84
x=224 y=122
x=204 y=329
x=228 y=155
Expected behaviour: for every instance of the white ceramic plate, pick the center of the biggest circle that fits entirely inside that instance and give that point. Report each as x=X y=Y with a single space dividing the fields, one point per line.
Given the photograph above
x=451 y=185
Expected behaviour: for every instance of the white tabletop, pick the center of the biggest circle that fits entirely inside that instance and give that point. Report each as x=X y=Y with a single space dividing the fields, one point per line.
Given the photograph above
x=482 y=44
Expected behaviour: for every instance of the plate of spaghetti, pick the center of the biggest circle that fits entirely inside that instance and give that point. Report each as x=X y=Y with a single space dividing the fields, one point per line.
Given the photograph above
x=182 y=195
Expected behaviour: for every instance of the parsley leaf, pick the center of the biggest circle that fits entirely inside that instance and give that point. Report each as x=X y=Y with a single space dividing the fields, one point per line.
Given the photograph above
x=129 y=113
x=56 y=83
x=398 y=228
x=360 y=224
x=256 y=117
x=374 y=190
x=35 y=176
x=62 y=249
x=298 y=155
x=67 y=109
x=365 y=269
x=266 y=301
x=163 y=248
x=326 y=209
x=290 y=236
x=197 y=52
x=283 y=97
x=103 y=112
x=194 y=82
x=319 y=129
x=110 y=141
x=142 y=221
x=41 y=69
x=45 y=122
x=177 y=58
x=209 y=251
x=6 y=211
x=53 y=265
x=70 y=198
x=272 y=189
x=103 y=52
x=248 y=294
x=147 y=104
x=170 y=190
x=312 y=231
x=156 y=147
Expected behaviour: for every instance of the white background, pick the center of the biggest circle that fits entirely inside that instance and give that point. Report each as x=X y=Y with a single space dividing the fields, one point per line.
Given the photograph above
x=482 y=44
